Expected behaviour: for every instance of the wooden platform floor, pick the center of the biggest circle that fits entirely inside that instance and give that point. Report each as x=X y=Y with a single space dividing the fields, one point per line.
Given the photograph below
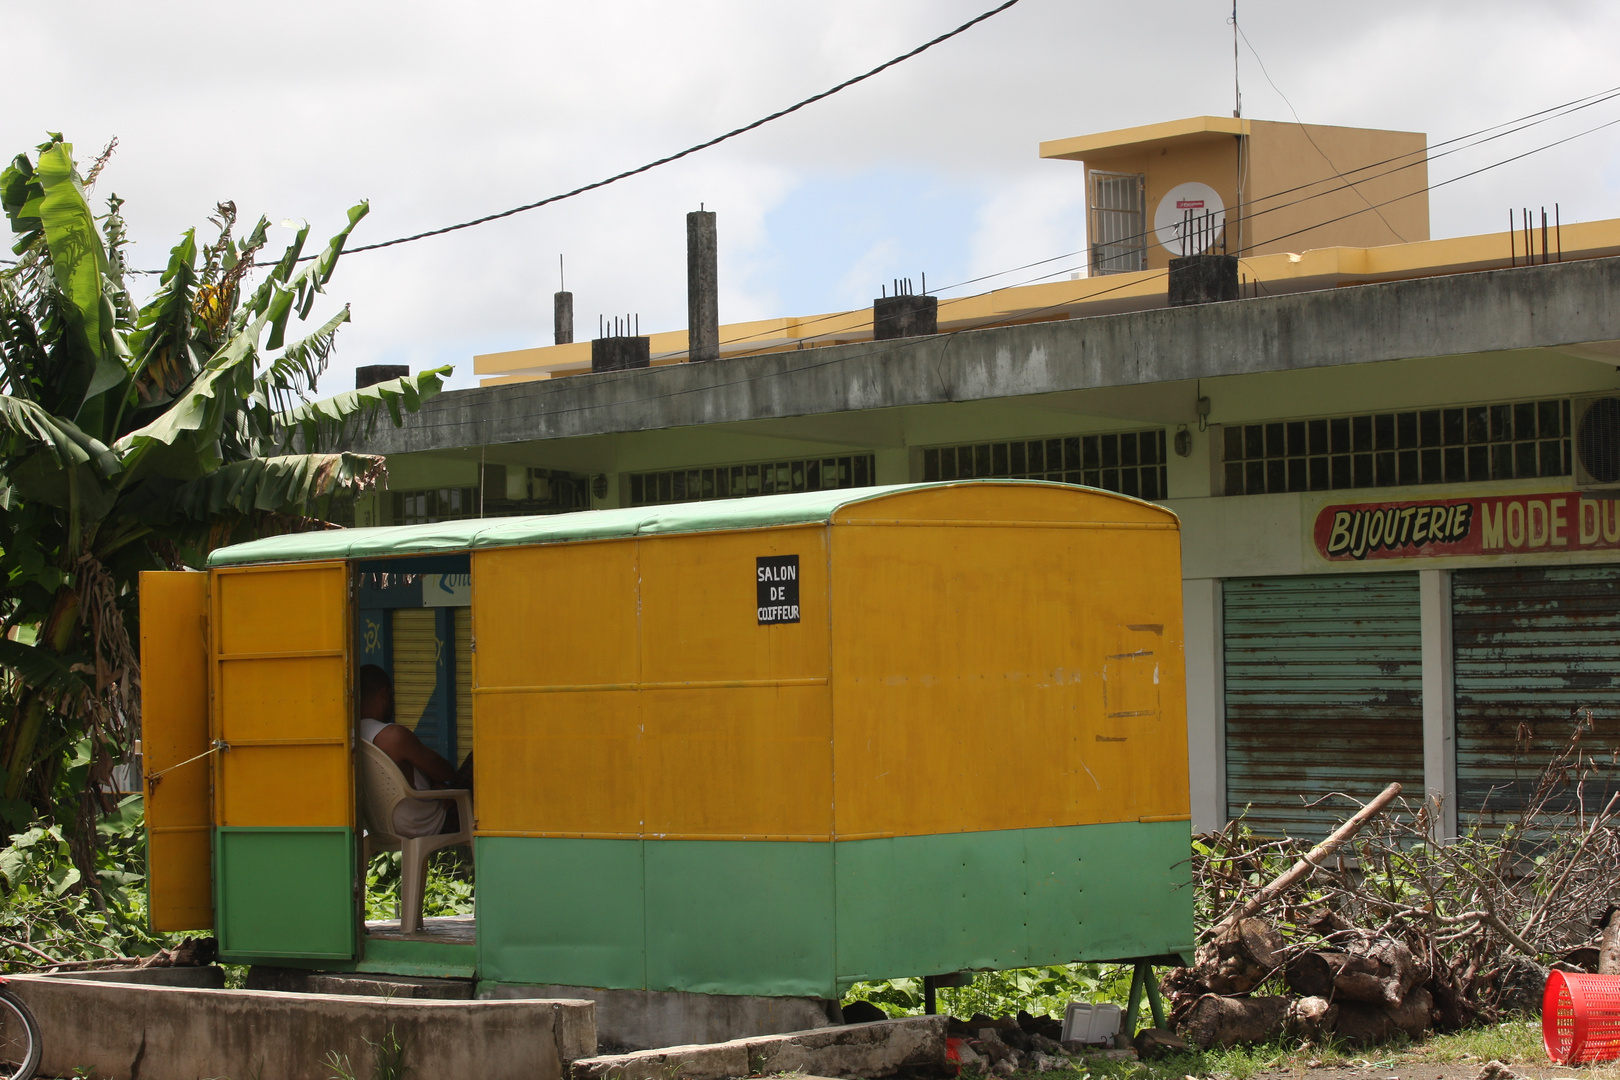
x=442 y=930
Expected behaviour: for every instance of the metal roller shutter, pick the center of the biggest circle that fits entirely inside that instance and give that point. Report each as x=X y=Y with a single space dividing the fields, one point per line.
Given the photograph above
x=1532 y=645
x=416 y=651
x=1324 y=690
x=464 y=698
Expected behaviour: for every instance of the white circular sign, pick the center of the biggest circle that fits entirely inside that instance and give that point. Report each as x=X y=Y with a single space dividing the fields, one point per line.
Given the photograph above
x=1195 y=200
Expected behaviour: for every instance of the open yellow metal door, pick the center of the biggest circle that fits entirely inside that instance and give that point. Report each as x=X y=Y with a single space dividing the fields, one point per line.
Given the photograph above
x=285 y=863
x=174 y=742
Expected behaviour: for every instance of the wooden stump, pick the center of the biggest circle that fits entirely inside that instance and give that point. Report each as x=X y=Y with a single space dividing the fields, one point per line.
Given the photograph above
x=1377 y=972
x=1224 y=1021
x=1361 y=1022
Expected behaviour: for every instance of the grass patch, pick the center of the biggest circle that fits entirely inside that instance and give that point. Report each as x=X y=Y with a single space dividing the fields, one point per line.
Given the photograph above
x=1517 y=1042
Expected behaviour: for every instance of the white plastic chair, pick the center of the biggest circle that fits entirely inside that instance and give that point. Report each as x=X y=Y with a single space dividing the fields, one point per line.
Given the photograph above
x=383 y=787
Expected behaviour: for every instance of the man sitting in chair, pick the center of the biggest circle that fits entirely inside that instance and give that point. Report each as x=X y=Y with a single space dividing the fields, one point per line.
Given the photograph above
x=422 y=766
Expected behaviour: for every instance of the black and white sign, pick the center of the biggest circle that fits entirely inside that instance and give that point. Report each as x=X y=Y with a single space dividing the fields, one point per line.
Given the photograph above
x=777 y=577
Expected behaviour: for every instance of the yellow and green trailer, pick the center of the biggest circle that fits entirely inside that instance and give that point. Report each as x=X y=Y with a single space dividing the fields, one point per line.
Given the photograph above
x=768 y=746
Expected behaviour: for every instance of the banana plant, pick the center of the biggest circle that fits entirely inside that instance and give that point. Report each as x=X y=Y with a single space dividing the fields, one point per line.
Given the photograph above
x=138 y=436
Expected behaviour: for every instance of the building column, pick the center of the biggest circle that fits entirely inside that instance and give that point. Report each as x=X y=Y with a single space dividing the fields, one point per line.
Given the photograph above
x=1206 y=702
x=892 y=466
x=1439 y=698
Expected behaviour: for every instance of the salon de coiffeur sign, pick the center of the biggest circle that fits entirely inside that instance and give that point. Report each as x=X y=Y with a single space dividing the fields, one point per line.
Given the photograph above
x=1473 y=525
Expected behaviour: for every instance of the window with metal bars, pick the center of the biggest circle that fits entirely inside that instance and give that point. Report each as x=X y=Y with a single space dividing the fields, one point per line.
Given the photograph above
x=1129 y=462
x=761 y=478
x=1426 y=446
x=1117 y=223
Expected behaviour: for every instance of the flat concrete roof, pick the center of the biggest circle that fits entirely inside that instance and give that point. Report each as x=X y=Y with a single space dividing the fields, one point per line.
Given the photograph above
x=1106 y=144
x=1529 y=307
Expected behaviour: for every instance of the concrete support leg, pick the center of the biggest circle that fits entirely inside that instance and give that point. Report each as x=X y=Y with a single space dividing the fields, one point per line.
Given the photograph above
x=1206 y=702
x=1439 y=698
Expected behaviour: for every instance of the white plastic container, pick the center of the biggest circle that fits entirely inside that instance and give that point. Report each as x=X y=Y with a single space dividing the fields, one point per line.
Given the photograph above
x=1088 y=1023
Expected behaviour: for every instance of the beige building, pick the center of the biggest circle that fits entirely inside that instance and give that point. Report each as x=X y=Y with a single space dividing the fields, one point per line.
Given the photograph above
x=1266 y=188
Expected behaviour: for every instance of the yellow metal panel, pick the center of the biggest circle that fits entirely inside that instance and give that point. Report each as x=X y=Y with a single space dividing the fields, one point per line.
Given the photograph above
x=971 y=659
x=563 y=764
x=556 y=722
x=748 y=750
x=739 y=762
x=699 y=602
x=416 y=656
x=282 y=609
x=555 y=615
x=287 y=697
x=174 y=730
x=464 y=700
x=980 y=505
x=286 y=786
x=282 y=700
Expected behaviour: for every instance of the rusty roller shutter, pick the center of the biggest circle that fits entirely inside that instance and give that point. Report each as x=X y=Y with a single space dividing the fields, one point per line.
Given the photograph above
x=1324 y=691
x=1531 y=646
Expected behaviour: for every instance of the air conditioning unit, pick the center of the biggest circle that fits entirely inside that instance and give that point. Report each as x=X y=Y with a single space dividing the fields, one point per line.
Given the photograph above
x=1597 y=442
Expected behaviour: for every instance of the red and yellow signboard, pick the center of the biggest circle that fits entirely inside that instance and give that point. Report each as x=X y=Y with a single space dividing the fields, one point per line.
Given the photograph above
x=1493 y=525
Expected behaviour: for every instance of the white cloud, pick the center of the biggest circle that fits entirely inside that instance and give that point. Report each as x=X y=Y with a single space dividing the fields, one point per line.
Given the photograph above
x=438 y=114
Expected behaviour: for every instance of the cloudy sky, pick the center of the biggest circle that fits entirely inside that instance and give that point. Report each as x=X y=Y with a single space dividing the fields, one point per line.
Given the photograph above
x=441 y=112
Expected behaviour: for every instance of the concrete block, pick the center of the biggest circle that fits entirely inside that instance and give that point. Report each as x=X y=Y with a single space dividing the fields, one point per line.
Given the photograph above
x=881 y=1048
x=390 y=986
x=120 y=1031
x=715 y=1061
x=649 y=1019
x=207 y=977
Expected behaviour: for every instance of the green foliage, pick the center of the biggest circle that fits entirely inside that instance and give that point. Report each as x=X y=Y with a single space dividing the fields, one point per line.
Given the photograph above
x=448 y=890
x=137 y=436
x=1043 y=991
x=44 y=906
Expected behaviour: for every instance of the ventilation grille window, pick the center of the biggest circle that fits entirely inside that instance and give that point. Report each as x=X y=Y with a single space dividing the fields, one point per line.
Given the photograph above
x=740 y=481
x=1117 y=223
x=1131 y=462
x=1431 y=446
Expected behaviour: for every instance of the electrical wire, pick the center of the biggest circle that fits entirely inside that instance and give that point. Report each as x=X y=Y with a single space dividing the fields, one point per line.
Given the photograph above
x=716 y=141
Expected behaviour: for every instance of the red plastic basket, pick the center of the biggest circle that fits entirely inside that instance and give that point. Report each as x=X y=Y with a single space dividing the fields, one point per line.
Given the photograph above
x=1580 y=1018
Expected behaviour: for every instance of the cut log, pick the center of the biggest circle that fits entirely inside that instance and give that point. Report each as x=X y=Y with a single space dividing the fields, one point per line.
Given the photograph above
x=1379 y=972
x=1312 y=1018
x=1216 y=1021
x=1238 y=960
x=1360 y=1022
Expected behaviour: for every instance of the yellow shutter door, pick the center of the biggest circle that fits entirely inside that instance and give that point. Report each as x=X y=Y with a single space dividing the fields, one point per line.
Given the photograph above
x=174 y=735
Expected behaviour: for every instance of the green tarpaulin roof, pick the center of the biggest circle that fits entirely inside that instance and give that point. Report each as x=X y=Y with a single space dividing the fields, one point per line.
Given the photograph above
x=799 y=508
x=443 y=537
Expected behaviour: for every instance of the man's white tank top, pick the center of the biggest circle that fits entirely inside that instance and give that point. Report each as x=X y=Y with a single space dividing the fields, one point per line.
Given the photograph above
x=412 y=817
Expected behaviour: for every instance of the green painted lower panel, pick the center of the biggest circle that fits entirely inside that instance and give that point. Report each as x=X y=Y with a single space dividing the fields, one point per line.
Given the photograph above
x=775 y=919
x=561 y=911
x=740 y=917
x=920 y=905
x=285 y=892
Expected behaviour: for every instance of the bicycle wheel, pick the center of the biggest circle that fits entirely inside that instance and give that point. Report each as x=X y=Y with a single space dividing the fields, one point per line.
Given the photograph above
x=19 y=1038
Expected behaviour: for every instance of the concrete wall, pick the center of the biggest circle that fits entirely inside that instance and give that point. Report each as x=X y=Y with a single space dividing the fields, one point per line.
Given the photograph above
x=1524 y=308
x=116 y=1031
x=643 y=1019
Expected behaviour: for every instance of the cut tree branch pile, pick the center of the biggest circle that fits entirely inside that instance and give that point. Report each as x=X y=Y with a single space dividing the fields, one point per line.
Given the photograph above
x=1387 y=928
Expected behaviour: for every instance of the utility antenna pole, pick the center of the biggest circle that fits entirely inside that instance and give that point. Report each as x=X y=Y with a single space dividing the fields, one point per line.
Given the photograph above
x=1237 y=91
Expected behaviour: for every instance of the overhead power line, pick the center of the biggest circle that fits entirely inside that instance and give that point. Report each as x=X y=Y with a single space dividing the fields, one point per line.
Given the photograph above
x=716 y=141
